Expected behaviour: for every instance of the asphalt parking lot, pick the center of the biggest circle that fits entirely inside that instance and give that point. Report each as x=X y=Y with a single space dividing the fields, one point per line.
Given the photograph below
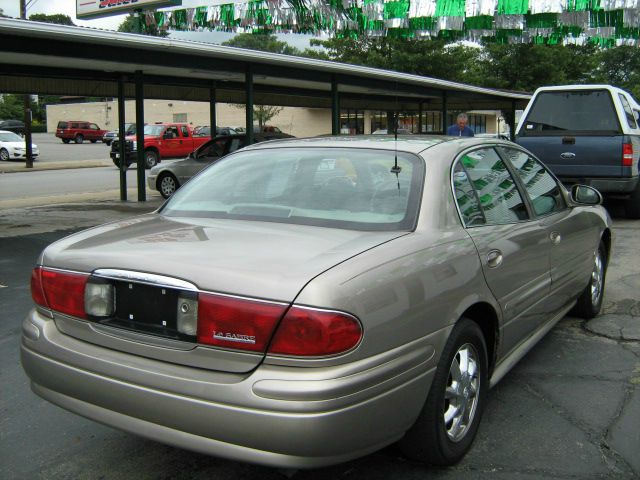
x=569 y=410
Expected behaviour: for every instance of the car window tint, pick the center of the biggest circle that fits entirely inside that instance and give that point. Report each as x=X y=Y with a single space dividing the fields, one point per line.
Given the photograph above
x=185 y=130
x=466 y=198
x=234 y=145
x=330 y=187
x=542 y=188
x=500 y=199
x=571 y=111
x=628 y=112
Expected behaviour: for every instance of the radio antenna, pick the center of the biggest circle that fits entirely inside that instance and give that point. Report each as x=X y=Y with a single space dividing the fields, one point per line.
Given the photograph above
x=396 y=116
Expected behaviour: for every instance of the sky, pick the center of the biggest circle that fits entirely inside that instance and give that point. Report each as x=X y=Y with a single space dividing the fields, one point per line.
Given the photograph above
x=68 y=7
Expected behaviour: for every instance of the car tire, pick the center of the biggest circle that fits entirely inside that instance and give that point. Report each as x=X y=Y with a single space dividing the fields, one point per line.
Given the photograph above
x=632 y=204
x=4 y=155
x=79 y=139
x=65 y=140
x=444 y=431
x=150 y=158
x=590 y=300
x=93 y=141
x=167 y=184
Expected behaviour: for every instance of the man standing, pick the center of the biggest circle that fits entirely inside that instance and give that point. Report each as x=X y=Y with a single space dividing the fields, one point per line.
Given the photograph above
x=460 y=129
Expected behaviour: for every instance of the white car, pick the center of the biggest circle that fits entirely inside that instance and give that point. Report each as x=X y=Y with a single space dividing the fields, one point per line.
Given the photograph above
x=12 y=146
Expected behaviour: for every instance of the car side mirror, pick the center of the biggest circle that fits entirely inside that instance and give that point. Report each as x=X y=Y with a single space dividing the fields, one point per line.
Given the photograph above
x=586 y=195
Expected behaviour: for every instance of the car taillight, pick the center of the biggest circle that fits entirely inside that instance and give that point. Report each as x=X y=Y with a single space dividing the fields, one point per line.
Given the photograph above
x=59 y=291
x=237 y=323
x=627 y=154
x=312 y=332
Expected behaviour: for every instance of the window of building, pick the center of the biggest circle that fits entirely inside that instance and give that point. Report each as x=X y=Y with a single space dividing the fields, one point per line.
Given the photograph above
x=352 y=122
x=180 y=117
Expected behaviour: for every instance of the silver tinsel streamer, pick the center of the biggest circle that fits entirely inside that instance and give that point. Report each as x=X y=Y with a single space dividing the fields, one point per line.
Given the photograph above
x=546 y=6
x=631 y=18
x=448 y=23
x=475 y=8
x=574 y=19
x=539 y=32
x=619 y=4
x=510 y=22
x=422 y=8
x=603 y=32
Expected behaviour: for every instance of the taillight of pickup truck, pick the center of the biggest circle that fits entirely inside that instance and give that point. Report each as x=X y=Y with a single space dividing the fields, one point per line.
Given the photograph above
x=627 y=154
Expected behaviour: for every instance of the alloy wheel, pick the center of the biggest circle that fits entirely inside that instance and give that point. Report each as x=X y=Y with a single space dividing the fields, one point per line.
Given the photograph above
x=167 y=186
x=461 y=393
x=597 y=277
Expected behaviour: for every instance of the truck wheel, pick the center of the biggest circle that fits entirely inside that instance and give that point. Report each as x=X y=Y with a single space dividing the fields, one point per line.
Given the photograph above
x=167 y=184
x=4 y=155
x=65 y=140
x=150 y=158
x=632 y=205
x=79 y=139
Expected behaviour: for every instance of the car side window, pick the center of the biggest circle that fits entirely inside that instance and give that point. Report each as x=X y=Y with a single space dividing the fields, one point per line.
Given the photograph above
x=497 y=191
x=185 y=131
x=466 y=198
x=631 y=118
x=543 y=190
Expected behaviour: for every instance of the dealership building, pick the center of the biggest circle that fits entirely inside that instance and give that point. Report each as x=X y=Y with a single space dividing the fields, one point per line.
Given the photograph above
x=297 y=121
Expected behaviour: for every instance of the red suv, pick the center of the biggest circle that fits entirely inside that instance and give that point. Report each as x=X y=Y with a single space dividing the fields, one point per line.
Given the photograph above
x=79 y=131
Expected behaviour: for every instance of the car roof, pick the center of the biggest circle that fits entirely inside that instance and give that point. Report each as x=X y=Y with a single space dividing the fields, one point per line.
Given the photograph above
x=405 y=143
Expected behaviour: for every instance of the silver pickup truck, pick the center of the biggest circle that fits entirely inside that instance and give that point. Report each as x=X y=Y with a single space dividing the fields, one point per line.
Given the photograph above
x=588 y=134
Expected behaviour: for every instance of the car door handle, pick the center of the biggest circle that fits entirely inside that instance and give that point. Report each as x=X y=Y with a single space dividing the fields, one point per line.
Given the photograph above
x=555 y=238
x=494 y=258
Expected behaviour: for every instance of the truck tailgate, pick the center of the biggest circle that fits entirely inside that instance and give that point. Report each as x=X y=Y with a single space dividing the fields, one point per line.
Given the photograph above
x=578 y=156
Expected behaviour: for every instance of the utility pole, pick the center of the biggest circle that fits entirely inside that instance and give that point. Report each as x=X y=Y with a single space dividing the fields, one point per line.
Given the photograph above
x=27 y=104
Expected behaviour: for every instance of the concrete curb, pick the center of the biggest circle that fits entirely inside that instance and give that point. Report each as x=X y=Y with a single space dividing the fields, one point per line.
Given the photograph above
x=39 y=165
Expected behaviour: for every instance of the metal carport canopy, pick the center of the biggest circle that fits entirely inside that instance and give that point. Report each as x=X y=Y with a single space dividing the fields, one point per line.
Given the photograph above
x=41 y=58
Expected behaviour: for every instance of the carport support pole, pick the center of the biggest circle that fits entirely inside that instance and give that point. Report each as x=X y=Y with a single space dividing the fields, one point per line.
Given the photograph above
x=248 y=83
x=121 y=138
x=142 y=194
x=512 y=121
x=212 y=109
x=444 y=112
x=419 y=117
x=335 y=107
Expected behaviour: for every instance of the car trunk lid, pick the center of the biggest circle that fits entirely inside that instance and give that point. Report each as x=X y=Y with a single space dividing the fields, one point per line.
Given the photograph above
x=256 y=262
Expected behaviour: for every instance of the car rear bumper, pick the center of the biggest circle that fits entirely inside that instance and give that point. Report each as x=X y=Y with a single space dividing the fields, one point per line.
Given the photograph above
x=278 y=416
x=614 y=186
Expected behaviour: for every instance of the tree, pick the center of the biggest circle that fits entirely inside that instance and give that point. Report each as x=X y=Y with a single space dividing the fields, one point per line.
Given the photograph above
x=262 y=113
x=132 y=24
x=57 y=18
x=620 y=66
x=11 y=107
x=432 y=58
x=262 y=42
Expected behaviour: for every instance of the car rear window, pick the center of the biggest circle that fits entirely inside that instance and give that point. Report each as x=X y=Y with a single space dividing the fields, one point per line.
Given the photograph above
x=578 y=111
x=329 y=187
x=63 y=125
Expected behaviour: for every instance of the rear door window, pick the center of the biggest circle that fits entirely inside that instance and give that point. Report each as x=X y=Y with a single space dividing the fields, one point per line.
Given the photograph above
x=543 y=190
x=577 y=111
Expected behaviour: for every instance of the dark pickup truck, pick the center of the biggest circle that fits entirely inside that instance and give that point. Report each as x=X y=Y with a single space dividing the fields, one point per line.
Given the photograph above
x=587 y=134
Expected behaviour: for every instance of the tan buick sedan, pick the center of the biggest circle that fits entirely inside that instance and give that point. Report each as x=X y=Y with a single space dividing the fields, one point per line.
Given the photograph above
x=304 y=302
